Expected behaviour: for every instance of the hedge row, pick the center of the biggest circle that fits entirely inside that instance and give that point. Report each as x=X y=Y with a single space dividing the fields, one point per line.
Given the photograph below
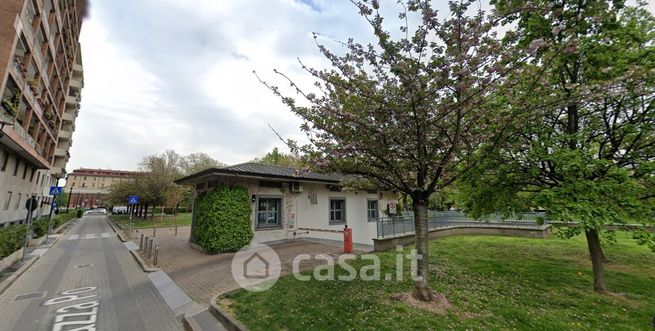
x=223 y=220
x=11 y=239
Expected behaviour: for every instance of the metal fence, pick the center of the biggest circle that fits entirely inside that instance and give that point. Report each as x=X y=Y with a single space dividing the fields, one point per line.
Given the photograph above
x=401 y=225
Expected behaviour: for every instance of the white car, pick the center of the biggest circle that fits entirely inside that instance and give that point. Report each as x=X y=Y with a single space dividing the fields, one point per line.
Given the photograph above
x=96 y=211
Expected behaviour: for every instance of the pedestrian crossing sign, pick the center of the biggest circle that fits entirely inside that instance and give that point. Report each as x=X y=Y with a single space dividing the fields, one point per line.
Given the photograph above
x=133 y=200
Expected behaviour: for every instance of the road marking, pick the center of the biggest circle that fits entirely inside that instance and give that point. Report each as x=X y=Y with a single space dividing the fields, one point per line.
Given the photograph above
x=103 y=235
x=75 y=311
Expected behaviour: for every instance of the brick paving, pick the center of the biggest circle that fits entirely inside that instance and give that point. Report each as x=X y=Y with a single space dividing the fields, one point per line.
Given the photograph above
x=202 y=276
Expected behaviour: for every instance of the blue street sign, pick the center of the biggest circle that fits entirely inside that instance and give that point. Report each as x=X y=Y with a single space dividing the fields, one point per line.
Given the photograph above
x=133 y=200
x=56 y=190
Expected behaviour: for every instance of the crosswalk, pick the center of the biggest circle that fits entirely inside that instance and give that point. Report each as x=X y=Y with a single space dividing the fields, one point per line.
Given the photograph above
x=89 y=236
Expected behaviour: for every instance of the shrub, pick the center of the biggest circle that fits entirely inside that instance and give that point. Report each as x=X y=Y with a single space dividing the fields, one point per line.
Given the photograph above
x=80 y=213
x=40 y=227
x=11 y=239
x=223 y=220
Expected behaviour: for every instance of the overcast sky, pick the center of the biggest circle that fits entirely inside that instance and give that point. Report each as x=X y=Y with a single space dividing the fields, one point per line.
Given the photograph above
x=177 y=74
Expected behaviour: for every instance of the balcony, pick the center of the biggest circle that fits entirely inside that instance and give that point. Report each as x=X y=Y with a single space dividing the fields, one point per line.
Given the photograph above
x=70 y=100
x=66 y=135
x=77 y=68
x=69 y=117
x=60 y=152
x=75 y=84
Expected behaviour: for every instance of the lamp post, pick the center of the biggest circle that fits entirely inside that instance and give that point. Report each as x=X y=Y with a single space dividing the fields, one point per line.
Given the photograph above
x=70 y=196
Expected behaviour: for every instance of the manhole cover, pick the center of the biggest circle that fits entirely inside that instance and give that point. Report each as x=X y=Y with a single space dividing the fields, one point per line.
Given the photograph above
x=36 y=295
x=83 y=265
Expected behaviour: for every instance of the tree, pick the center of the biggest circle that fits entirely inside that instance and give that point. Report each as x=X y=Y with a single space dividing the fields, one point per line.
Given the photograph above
x=277 y=158
x=197 y=162
x=412 y=113
x=589 y=158
x=156 y=181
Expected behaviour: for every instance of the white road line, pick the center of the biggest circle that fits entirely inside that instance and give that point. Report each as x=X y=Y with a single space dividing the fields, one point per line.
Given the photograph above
x=90 y=236
x=105 y=235
x=73 y=237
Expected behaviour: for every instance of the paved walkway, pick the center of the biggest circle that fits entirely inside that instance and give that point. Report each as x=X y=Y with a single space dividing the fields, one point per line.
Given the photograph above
x=87 y=280
x=202 y=276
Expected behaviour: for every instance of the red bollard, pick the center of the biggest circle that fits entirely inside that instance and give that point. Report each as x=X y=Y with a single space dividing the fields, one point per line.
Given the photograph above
x=347 y=240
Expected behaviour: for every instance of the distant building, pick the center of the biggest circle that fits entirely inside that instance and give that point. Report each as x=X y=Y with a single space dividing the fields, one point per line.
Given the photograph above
x=41 y=79
x=90 y=187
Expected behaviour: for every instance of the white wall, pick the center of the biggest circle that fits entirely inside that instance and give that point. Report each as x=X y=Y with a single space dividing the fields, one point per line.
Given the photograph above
x=302 y=219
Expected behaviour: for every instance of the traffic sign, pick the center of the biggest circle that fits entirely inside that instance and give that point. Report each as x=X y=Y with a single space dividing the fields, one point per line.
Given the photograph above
x=133 y=200
x=32 y=203
x=56 y=190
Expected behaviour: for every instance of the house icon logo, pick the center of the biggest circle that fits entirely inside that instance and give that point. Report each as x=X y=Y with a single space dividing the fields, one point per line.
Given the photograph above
x=256 y=267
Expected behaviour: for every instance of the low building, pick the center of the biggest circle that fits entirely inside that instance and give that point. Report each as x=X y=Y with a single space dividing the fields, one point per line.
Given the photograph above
x=289 y=203
x=89 y=188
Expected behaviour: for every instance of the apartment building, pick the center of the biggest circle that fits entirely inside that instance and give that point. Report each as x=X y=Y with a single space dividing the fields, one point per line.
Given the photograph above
x=41 y=79
x=89 y=187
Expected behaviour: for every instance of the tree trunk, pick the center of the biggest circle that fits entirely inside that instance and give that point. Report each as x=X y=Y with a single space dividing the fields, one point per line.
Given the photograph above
x=596 y=254
x=145 y=212
x=422 y=284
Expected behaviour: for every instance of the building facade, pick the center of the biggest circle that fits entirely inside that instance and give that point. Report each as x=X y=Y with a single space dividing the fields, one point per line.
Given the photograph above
x=293 y=204
x=41 y=79
x=88 y=188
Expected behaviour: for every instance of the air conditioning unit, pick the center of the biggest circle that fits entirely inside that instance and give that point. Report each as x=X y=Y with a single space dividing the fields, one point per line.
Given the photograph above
x=296 y=187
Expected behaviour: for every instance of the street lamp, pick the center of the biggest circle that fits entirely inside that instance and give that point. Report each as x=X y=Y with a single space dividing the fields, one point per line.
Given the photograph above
x=70 y=195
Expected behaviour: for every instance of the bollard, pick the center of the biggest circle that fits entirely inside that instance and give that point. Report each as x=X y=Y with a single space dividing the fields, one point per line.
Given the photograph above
x=141 y=243
x=156 y=258
x=154 y=231
x=150 y=248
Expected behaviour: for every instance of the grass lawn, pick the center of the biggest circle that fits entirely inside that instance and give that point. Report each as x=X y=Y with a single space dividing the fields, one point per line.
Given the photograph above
x=182 y=220
x=492 y=283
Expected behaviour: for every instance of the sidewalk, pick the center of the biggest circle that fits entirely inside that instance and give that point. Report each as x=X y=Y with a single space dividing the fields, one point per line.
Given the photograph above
x=203 y=276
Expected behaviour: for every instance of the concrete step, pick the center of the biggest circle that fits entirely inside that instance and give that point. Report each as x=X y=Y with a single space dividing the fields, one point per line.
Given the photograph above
x=203 y=321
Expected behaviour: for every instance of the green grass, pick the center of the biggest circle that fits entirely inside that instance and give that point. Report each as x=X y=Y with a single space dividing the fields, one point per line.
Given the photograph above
x=168 y=221
x=493 y=283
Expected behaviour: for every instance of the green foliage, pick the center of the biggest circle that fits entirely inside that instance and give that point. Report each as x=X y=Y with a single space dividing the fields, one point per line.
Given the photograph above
x=277 y=158
x=223 y=219
x=11 y=239
x=80 y=213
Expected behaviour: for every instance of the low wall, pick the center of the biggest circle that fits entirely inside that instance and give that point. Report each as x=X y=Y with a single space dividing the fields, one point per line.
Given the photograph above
x=387 y=244
x=11 y=259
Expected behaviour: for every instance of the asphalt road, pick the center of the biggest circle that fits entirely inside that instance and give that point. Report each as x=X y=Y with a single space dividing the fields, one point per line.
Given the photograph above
x=88 y=280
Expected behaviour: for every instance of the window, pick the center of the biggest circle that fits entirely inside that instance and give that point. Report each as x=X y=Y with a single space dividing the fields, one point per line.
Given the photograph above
x=16 y=166
x=372 y=210
x=337 y=210
x=17 y=201
x=8 y=202
x=4 y=158
x=24 y=170
x=32 y=175
x=269 y=212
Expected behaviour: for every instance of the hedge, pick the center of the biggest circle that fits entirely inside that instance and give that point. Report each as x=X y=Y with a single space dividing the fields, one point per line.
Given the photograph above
x=12 y=239
x=222 y=221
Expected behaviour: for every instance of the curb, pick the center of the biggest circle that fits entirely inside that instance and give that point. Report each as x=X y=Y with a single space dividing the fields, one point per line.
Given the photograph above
x=7 y=283
x=142 y=263
x=223 y=317
x=115 y=227
x=189 y=323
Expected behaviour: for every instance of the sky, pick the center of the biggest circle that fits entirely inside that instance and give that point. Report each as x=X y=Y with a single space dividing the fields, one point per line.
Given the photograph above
x=166 y=75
